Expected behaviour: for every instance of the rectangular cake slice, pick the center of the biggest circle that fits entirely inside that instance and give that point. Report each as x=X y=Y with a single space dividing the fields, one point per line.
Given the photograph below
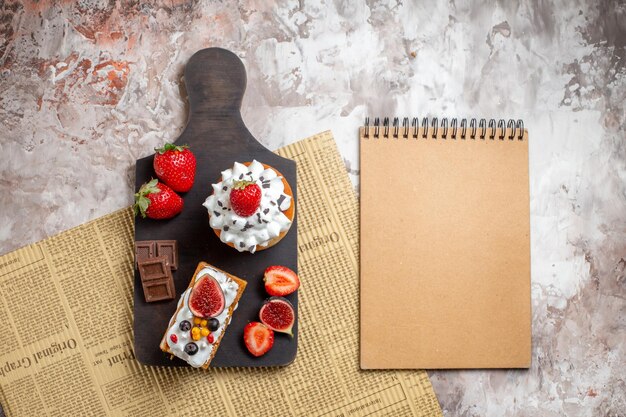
x=196 y=329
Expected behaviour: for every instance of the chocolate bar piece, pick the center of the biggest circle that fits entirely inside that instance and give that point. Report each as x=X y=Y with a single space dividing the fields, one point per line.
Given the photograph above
x=156 y=279
x=168 y=248
x=145 y=249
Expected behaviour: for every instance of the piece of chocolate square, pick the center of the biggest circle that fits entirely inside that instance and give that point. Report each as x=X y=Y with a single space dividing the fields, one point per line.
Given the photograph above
x=168 y=248
x=153 y=268
x=144 y=249
x=156 y=279
x=159 y=290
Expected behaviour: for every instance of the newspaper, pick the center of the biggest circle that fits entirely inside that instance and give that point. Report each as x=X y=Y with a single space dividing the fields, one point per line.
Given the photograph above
x=66 y=325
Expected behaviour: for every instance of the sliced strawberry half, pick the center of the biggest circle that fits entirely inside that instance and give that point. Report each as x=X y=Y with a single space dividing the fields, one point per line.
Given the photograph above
x=280 y=280
x=258 y=338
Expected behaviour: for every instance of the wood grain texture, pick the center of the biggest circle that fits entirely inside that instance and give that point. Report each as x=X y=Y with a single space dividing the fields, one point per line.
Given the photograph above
x=216 y=81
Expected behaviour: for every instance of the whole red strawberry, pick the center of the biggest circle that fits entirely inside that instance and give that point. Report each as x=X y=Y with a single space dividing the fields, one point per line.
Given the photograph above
x=175 y=166
x=157 y=201
x=245 y=197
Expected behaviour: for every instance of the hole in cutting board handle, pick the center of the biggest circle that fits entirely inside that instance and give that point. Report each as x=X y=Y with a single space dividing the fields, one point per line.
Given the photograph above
x=215 y=80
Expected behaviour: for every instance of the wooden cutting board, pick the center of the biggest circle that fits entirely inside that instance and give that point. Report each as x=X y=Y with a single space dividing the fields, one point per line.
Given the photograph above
x=216 y=80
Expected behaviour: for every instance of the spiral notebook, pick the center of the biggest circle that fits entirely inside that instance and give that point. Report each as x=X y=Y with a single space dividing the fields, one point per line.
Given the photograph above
x=445 y=244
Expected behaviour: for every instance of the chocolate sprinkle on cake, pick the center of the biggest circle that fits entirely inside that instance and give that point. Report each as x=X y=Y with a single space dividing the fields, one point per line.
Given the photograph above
x=217 y=213
x=281 y=199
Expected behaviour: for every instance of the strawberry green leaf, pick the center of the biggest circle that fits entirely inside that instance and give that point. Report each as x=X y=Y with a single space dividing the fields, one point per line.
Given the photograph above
x=171 y=147
x=141 y=205
x=242 y=184
x=150 y=187
x=141 y=200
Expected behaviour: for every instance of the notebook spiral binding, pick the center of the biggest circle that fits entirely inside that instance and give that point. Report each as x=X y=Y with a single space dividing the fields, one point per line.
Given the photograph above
x=451 y=127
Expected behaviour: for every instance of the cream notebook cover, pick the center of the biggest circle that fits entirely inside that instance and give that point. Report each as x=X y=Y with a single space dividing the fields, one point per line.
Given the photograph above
x=445 y=245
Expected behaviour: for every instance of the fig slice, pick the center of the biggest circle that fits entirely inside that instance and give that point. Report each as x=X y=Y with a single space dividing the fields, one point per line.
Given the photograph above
x=207 y=298
x=277 y=313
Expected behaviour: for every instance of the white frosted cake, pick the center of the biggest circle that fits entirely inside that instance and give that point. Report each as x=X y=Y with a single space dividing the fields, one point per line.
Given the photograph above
x=251 y=207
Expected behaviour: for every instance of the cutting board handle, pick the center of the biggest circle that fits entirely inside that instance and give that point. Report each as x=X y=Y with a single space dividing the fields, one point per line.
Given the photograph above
x=216 y=81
